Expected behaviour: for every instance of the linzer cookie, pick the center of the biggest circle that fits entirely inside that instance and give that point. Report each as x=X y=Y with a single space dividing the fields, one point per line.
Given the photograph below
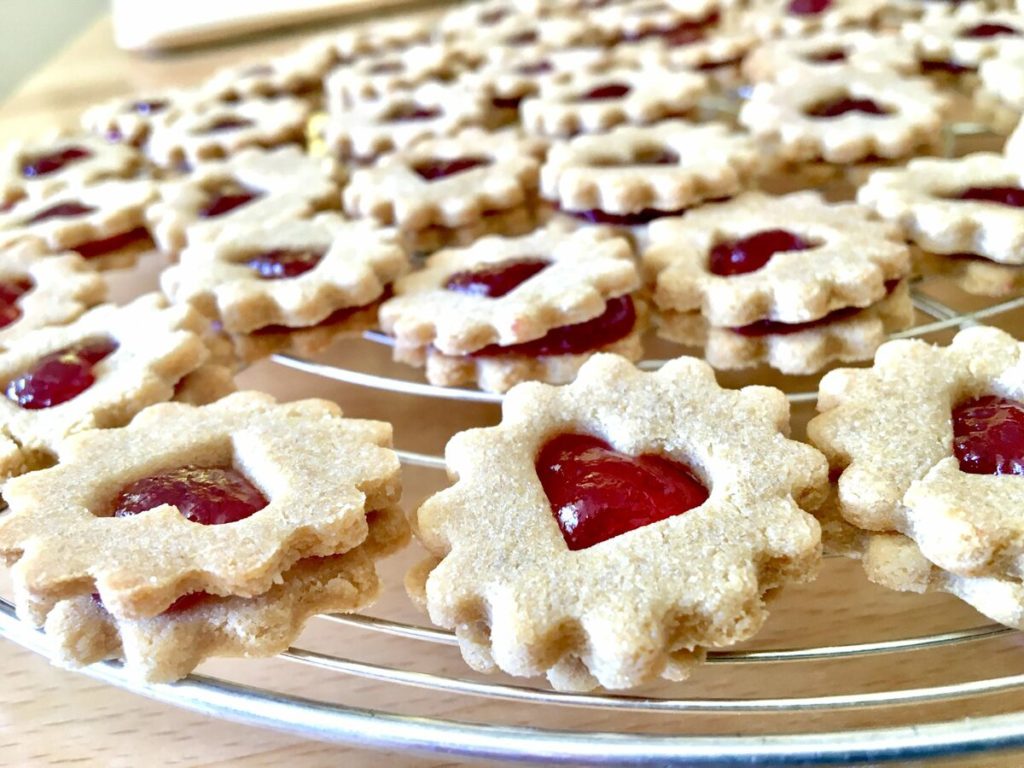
x=42 y=168
x=637 y=173
x=670 y=23
x=294 y=273
x=199 y=626
x=962 y=38
x=928 y=445
x=297 y=73
x=447 y=182
x=254 y=187
x=969 y=205
x=846 y=115
x=865 y=51
x=789 y=259
x=541 y=545
x=129 y=518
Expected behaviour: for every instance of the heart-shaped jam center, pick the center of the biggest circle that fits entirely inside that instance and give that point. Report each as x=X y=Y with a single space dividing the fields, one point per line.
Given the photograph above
x=408 y=113
x=439 y=168
x=496 y=280
x=615 y=323
x=225 y=124
x=597 y=493
x=44 y=165
x=11 y=292
x=96 y=248
x=60 y=376
x=830 y=56
x=61 y=211
x=605 y=92
x=1010 y=196
x=808 y=7
x=989 y=29
x=751 y=253
x=988 y=436
x=204 y=495
x=282 y=262
x=227 y=199
x=846 y=105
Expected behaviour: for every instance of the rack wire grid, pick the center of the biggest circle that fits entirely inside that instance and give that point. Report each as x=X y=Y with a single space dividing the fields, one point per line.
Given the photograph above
x=719 y=717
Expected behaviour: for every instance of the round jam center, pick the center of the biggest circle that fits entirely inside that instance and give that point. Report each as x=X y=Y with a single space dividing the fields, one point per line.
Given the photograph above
x=1011 y=196
x=845 y=106
x=988 y=436
x=11 y=292
x=808 y=7
x=61 y=211
x=59 y=376
x=204 y=495
x=281 y=263
x=226 y=200
x=597 y=493
x=497 y=280
x=989 y=30
x=43 y=165
x=606 y=92
x=441 y=168
x=753 y=252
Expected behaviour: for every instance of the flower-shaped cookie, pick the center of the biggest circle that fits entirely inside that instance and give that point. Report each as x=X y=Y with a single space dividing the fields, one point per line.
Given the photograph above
x=843 y=115
x=293 y=273
x=673 y=23
x=791 y=259
x=858 y=48
x=298 y=73
x=129 y=119
x=1003 y=75
x=291 y=481
x=968 y=205
x=514 y=30
x=664 y=167
x=169 y=646
x=447 y=182
x=928 y=442
x=543 y=571
x=507 y=291
x=963 y=37
x=798 y=18
x=38 y=290
x=591 y=102
x=253 y=187
x=42 y=168
x=718 y=55
x=215 y=130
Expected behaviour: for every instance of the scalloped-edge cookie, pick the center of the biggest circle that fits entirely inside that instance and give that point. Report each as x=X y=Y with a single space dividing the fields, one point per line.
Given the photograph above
x=854 y=335
x=44 y=167
x=1003 y=75
x=847 y=259
x=963 y=205
x=666 y=167
x=843 y=115
x=561 y=278
x=914 y=451
x=857 y=48
x=668 y=22
x=591 y=102
x=447 y=182
x=645 y=602
x=169 y=646
x=253 y=187
x=964 y=36
x=295 y=273
x=318 y=475
x=798 y=18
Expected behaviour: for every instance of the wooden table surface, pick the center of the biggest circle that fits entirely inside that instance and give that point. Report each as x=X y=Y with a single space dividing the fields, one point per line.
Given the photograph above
x=51 y=716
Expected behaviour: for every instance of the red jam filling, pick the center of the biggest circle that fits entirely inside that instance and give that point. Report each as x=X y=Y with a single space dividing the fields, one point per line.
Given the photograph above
x=808 y=7
x=846 y=105
x=523 y=38
x=61 y=211
x=43 y=165
x=1010 y=196
x=615 y=323
x=538 y=68
x=407 y=113
x=227 y=200
x=643 y=156
x=989 y=30
x=644 y=216
x=11 y=292
x=506 y=102
x=597 y=493
x=776 y=328
x=281 y=263
x=751 y=253
x=497 y=280
x=947 y=67
x=108 y=245
x=606 y=92
x=204 y=495
x=988 y=436
x=827 y=57
x=59 y=376
x=431 y=170
x=226 y=124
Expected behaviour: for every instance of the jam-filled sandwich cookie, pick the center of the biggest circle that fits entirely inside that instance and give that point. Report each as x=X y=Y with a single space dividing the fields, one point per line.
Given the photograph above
x=43 y=168
x=253 y=188
x=929 y=444
x=230 y=497
x=199 y=625
x=295 y=273
x=627 y=532
x=634 y=174
x=506 y=310
x=790 y=57
x=959 y=40
x=447 y=182
x=298 y=73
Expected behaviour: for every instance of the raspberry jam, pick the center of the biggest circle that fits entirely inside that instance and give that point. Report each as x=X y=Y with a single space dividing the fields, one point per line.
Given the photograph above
x=944 y=67
x=431 y=170
x=59 y=376
x=827 y=57
x=750 y=254
x=204 y=495
x=407 y=113
x=282 y=263
x=11 y=292
x=605 y=92
x=984 y=30
x=615 y=323
x=1010 y=196
x=96 y=248
x=988 y=436
x=227 y=199
x=44 y=165
x=597 y=493
x=226 y=124
x=61 y=211
x=496 y=280
x=808 y=7
x=643 y=216
x=846 y=105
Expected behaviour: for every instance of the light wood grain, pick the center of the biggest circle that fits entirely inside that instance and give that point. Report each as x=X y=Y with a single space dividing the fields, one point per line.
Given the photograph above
x=51 y=716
